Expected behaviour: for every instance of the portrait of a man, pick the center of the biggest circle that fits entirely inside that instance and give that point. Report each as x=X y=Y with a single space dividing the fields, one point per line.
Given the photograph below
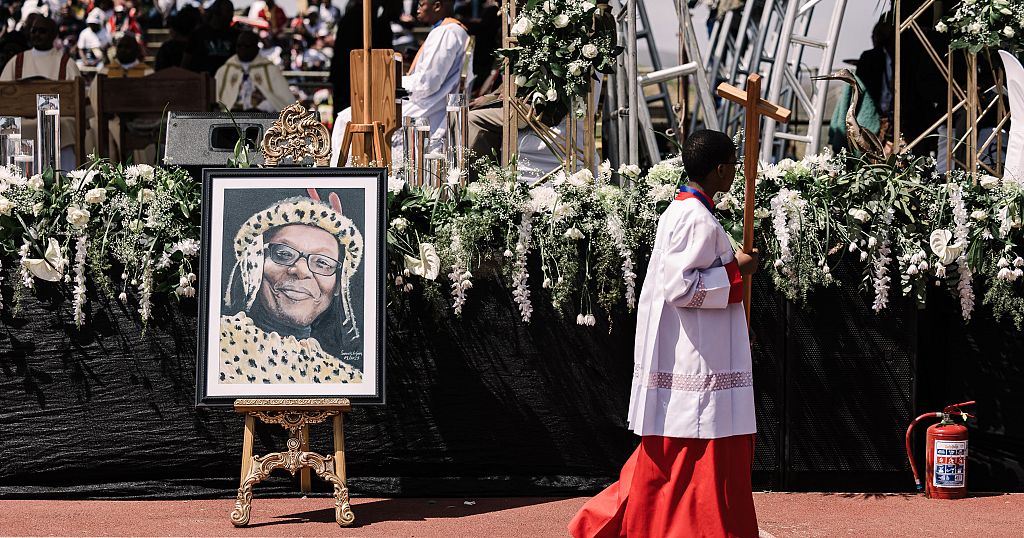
x=287 y=311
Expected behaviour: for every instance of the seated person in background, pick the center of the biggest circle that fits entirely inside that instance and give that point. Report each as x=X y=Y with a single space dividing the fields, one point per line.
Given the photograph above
x=251 y=82
x=126 y=64
x=214 y=42
x=94 y=40
x=127 y=61
x=172 y=53
x=45 y=61
x=433 y=74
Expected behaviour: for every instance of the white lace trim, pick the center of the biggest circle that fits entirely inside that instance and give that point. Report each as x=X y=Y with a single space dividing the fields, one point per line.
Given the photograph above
x=696 y=382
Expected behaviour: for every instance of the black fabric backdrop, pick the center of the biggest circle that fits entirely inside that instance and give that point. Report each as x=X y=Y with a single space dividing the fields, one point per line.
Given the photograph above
x=487 y=405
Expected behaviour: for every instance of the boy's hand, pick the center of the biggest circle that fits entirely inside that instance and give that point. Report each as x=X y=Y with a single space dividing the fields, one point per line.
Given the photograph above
x=747 y=262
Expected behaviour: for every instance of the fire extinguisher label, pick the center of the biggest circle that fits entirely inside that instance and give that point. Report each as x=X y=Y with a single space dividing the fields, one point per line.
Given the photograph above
x=950 y=464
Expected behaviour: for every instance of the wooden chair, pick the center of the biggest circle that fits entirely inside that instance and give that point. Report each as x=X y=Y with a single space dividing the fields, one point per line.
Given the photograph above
x=18 y=98
x=170 y=89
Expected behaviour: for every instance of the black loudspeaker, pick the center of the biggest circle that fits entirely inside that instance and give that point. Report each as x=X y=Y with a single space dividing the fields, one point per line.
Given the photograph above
x=207 y=139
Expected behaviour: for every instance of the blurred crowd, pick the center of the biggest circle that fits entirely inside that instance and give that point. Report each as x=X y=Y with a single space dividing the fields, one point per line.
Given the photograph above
x=203 y=35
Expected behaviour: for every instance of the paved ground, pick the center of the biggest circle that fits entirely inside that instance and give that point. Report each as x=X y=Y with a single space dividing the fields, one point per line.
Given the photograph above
x=781 y=515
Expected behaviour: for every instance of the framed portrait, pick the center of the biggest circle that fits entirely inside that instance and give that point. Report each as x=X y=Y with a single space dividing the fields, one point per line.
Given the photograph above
x=292 y=284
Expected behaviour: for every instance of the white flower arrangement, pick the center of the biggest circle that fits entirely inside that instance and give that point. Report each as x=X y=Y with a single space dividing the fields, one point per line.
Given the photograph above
x=976 y=24
x=557 y=51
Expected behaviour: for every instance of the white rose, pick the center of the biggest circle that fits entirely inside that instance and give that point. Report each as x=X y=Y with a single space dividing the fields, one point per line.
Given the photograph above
x=974 y=28
x=147 y=195
x=548 y=6
x=940 y=27
x=562 y=21
x=96 y=196
x=520 y=80
x=5 y=206
x=989 y=182
x=395 y=185
x=589 y=50
x=552 y=94
x=522 y=27
x=35 y=182
x=1008 y=32
x=979 y=215
x=574 y=69
x=399 y=224
x=78 y=217
x=587 y=6
x=860 y=215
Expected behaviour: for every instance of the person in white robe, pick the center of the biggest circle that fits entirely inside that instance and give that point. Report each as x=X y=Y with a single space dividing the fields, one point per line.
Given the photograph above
x=94 y=40
x=46 y=61
x=692 y=398
x=434 y=73
x=250 y=82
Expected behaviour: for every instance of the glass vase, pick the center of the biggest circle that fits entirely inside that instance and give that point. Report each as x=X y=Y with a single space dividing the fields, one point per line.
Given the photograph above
x=47 y=132
x=10 y=129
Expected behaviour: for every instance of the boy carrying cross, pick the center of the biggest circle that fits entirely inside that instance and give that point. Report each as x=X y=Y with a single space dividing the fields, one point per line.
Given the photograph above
x=692 y=399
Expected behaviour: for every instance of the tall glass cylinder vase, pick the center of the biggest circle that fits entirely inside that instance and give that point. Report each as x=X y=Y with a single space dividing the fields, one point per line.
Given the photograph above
x=24 y=157
x=457 y=134
x=421 y=142
x=47 y=132
x=408 y=147
x=10 y=129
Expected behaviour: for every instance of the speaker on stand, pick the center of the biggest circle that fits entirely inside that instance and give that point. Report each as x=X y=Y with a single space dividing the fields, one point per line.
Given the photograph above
x=197 y=140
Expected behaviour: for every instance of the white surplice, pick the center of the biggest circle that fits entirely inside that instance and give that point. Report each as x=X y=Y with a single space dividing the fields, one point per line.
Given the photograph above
x=434 y=74
x=692 y=370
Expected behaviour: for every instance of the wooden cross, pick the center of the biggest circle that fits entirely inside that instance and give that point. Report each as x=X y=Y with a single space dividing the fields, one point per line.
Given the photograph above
x=755 y=107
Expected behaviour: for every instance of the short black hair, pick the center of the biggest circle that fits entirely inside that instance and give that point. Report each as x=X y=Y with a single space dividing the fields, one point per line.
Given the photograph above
x=704 y=150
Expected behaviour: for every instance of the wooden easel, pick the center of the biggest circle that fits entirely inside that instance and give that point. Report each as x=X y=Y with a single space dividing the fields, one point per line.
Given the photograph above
x=297 y=134
x=367 y=137
x=755 y=107
x=295 y=416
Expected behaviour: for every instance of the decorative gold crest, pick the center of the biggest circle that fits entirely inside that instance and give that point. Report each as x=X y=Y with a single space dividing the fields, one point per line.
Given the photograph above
x=297 y=133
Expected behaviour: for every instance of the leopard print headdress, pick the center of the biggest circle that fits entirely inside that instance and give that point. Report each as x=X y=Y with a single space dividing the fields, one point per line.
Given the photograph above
x=310 y=211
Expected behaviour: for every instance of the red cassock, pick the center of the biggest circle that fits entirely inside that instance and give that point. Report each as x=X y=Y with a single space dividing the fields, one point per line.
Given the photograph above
x=673 y=487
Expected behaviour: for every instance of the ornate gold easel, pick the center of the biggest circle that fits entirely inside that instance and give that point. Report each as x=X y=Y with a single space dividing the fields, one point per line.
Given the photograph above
x=296 y=134
x=295 y=416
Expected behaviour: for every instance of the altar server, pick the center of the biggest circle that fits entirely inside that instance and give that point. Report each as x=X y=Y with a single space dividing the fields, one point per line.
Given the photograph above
x=433 y=74
x=692 y=398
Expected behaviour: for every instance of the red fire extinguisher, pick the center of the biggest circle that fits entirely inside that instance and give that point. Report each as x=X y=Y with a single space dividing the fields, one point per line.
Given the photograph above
x=946 y=459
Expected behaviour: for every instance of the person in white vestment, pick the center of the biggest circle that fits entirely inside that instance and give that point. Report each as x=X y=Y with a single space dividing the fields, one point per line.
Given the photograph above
x=250 y=82
x=692 y=399
x=44 y=60
x=433 y=74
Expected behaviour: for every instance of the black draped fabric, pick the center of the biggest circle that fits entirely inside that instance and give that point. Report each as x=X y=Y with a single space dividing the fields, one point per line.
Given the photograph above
x=484 y=404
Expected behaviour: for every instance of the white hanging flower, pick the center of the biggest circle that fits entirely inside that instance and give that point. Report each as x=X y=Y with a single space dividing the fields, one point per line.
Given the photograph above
x=618 y=236
x=521 y=293
x=962 y=235
x=589 y=51
x=1018 y=262
x=1002 y=263
x=880 y=267
x=561 y=21
x=580 y=320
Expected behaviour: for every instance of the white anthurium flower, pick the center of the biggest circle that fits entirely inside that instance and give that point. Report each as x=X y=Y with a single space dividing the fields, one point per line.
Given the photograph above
x=51 y=267
x=590 y=51
x=939 y=243
x=428 y=265
x=561 y=21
